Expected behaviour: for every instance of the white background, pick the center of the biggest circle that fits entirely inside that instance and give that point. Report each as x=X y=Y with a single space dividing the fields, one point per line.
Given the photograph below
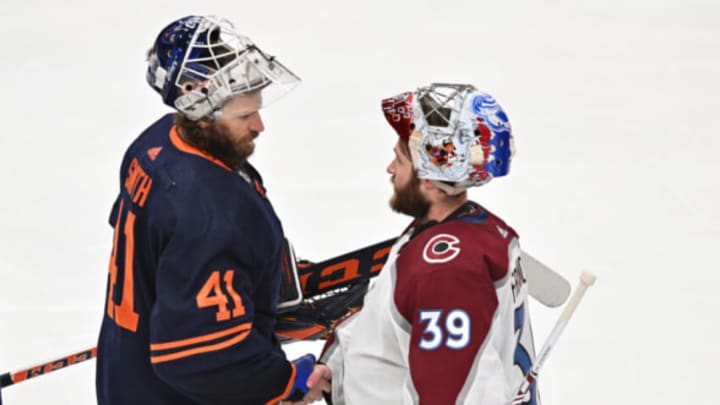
x=614 y=106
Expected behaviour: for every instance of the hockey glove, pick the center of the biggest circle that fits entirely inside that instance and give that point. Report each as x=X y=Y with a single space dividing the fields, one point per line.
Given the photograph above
x=303 y=368
x=317 y=317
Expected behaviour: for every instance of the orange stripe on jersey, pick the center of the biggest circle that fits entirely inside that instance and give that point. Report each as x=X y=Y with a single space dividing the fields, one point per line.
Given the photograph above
x=285 y=393
x=179 y=143
x=199 y=350
x=200 y=339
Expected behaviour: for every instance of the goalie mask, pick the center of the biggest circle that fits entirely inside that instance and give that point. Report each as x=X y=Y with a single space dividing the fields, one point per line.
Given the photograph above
x=458 y=136
x=198 y=63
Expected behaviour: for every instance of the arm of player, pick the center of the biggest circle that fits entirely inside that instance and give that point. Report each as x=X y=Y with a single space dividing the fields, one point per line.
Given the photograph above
x=209 y=340
x=333 y=361
x=318 y=383
x=451 y=312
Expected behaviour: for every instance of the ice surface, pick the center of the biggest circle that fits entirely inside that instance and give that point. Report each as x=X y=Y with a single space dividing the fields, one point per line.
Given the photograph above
x=614 y=107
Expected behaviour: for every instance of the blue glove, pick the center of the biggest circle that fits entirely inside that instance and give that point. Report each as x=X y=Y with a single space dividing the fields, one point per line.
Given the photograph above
x=303 y=368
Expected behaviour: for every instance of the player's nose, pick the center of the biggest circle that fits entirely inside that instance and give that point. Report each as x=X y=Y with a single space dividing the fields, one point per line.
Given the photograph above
x=256 y=123
x=390 y=169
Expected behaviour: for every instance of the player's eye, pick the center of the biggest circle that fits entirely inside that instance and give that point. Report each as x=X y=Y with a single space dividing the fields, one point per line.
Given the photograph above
x=246 y=115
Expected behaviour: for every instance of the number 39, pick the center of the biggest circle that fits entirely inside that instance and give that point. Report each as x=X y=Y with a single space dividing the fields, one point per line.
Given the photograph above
x=456 y=326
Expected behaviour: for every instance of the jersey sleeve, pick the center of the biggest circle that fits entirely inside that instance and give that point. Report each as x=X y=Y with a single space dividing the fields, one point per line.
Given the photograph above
x=452 y=309
x=209 y=339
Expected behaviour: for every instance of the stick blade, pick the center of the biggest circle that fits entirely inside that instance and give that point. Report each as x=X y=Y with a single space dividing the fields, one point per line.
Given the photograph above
x=544 y=284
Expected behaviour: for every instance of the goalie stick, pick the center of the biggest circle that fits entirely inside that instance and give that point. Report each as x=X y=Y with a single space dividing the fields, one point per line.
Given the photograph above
x=523 y=394
x=545 y=285
x=15 y=377
x=334 y=289
x=314 y=297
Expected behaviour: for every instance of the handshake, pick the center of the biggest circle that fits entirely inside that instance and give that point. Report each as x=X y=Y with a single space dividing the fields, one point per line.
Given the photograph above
x=311 y=380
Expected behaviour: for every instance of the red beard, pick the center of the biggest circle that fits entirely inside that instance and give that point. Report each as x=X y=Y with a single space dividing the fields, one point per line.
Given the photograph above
x=408 y=200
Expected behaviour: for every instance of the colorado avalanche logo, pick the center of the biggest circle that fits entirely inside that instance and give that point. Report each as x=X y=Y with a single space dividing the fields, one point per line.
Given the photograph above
x=441 y=248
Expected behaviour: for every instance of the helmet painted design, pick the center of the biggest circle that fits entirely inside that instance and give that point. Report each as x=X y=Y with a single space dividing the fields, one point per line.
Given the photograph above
x=455 y=133
x=198 y=63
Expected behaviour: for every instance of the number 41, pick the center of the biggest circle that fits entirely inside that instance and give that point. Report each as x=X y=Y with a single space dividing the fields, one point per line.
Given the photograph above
x=211 y=294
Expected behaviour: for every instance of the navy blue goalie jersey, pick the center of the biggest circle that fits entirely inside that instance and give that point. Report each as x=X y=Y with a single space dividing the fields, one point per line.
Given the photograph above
x=193 y=282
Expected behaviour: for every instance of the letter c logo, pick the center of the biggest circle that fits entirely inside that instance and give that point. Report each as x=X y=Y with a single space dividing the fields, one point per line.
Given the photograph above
x=441 y=248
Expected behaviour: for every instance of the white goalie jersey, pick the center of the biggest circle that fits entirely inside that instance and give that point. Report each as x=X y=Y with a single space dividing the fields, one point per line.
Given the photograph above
x=445 y=322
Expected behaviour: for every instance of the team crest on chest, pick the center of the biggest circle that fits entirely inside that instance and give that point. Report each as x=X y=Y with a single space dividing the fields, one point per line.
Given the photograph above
x=441 y=248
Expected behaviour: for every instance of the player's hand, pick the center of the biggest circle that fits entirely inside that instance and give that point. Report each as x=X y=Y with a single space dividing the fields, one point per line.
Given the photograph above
x=319 y=381
x=304 y=366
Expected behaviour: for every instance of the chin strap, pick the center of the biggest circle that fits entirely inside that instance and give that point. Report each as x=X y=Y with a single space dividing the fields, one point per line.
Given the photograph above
x=450 y=190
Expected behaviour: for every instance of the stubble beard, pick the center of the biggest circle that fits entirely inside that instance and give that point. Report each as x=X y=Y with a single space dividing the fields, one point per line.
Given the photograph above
x=408 y=200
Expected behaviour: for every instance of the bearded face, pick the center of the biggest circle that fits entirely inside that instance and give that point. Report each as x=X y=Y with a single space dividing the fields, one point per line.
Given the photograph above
x=230 y=136
x=230 y=147
x=407 y=198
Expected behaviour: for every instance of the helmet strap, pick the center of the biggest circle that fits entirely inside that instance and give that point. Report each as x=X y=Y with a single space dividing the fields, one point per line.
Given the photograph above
x=414 y=146
x=449 y=189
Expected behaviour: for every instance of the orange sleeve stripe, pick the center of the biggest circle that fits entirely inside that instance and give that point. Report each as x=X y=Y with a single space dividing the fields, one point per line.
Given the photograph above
x=199 y=350
x=285 y=393
x=200 y=339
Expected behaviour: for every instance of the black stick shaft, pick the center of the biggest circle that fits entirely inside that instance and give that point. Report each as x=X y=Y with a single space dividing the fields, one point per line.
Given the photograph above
x=15 y=377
